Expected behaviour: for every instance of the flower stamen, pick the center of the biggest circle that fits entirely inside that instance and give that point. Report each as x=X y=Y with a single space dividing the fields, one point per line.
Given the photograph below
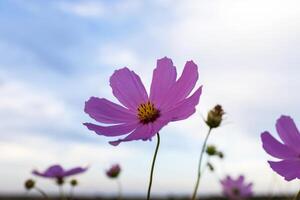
x=236 y=191
x=147 y=113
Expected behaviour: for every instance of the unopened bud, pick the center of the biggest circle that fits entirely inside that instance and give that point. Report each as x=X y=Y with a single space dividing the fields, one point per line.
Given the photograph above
x=74 y=182
x=211 y=150
x=210 y=166
x=220 y=154
x=215 y=116
x=29 y=184
x=60 y=181
x=114 y=171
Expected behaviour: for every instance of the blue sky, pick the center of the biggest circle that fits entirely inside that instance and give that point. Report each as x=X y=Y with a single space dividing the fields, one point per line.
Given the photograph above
x=54 y=55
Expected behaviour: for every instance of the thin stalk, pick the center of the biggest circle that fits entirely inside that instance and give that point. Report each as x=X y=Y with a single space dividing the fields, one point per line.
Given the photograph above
x=71 y=192
x=297 y=197
x=152 y=167
x=61 y=192
x=119 y=189
x=199 y=166
x=41 y=192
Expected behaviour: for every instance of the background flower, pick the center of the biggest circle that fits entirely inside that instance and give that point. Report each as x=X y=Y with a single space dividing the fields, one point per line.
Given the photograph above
x=236 y=189
x=288 y=151
x=56 y=171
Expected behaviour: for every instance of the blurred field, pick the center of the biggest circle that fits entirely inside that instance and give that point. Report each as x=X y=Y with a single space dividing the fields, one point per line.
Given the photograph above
x=140 y=198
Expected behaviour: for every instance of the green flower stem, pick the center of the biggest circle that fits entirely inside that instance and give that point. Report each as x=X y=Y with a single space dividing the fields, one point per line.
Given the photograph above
x=119 y=189
x=72 y=192
x=61 y=192
x=152 y=167
x=199 y=166
x=41 y=192
x=297 y=197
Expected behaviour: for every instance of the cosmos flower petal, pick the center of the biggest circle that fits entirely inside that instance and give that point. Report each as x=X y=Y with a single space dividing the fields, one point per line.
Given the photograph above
x=164 y=77
x=141 y=132
x=275 y=148
x=288 y=132
x=37 y=173
x=185 y=108
x=53 y=171
x=289 y=169
x=183 y=86
x=156 y=126
x=76 y=170
x=106 y=111
x=111 y=131
x=128 y=88
x=248 y=190
x=240 y=180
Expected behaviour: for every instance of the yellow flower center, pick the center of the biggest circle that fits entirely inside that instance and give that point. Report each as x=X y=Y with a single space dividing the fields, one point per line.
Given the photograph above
x=147 y=113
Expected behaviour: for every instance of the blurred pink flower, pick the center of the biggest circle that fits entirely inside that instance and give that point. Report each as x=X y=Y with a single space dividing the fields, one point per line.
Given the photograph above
x=57 y=172
x=113 y=171
x=143 y=116
x=288 y=151
x=236 y=189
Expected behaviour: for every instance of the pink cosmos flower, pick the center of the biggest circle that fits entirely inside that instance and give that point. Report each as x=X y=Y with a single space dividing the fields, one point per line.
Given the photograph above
x=56 y=171
x=113 y=171
x=288 y=151
x=141 y=116
x=236 y=189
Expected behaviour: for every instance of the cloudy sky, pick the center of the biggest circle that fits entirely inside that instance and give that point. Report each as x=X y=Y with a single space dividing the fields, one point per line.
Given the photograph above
x=54 y=55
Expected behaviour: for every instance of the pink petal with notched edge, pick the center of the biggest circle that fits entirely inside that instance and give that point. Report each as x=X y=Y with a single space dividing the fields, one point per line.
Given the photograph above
x=247 y=191
x=76 y=170
x=51 y=172
x=289 y=169
x=111 y=131
x=184 y=109
x=128 y=88
x=106 y=111
x=144 y=132
x=55 y=170
x=240 y=180
x=157 y=126
x=275 y=148
x=141 y=132
x=183 y=86
x=288 y=132
x=37 y=173
x=164 y=77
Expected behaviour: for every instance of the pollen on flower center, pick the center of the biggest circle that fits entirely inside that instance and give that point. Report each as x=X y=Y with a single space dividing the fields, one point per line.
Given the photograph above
x=147 y=113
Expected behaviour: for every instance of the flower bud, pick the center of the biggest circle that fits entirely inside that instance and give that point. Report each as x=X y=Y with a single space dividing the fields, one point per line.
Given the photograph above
x=60 y=181
x=220 y=154
x=74 y=182
x=210 y=166
x=113 y=171
x=214 y=117
x=211 y=150
x=29 y=184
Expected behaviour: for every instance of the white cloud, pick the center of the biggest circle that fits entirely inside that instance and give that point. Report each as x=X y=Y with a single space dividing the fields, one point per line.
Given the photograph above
x=84 y=8
x=101 y=9
x=109 y=52
x=19 y=97
x=23 y=107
